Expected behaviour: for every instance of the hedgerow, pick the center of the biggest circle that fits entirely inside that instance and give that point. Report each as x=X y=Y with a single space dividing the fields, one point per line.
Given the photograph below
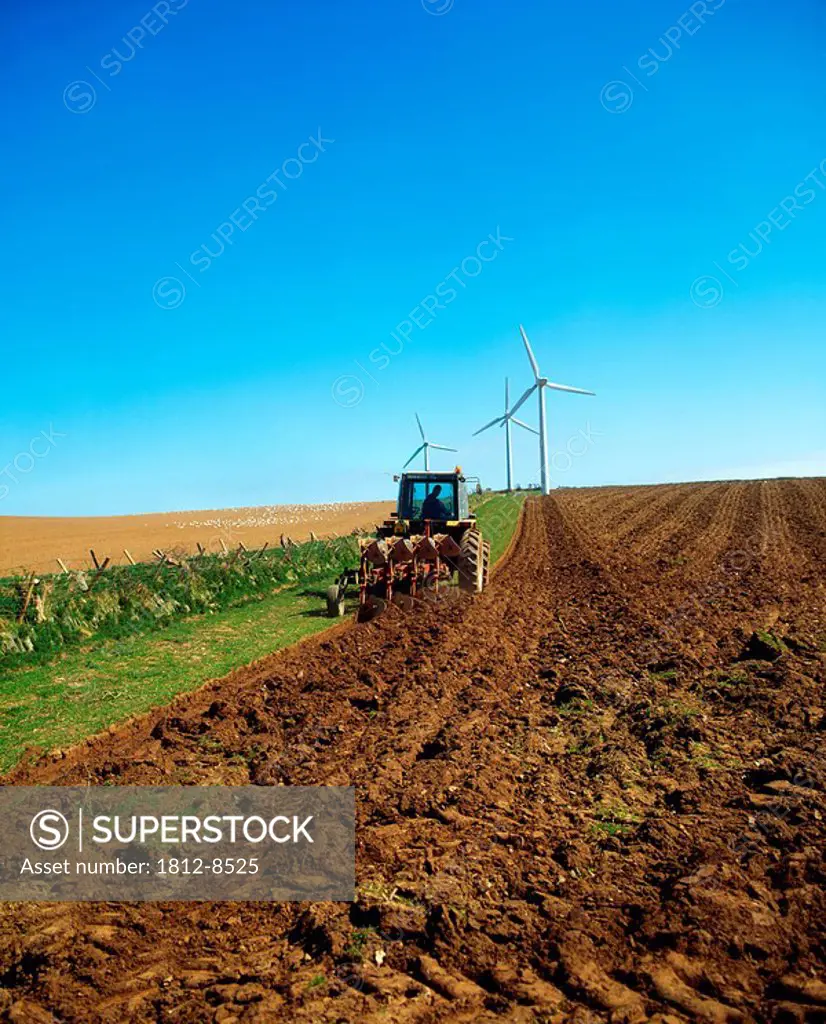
x=75 y=607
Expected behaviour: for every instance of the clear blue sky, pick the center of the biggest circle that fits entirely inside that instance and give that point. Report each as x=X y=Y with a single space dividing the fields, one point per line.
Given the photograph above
x=620 y=172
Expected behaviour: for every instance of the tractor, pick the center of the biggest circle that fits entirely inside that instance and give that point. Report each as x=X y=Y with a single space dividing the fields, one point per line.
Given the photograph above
x=429 y=539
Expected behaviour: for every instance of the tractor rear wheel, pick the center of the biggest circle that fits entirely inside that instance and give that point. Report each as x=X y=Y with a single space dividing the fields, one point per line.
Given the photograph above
x=473 y=562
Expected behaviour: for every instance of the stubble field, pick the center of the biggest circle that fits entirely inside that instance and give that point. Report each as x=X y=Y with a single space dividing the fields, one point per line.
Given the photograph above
x=34 y=543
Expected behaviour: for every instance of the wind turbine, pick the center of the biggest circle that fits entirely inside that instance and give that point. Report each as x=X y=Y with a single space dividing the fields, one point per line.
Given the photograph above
x=540 y=383
x=505 y=421
x=426 y=448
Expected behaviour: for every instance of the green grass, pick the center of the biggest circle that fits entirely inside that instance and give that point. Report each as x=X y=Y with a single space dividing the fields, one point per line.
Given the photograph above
x=357 y=947
x=613 y=819
x=729 y=680
x=497 y=516
x=669 y=675
x=576 y=707
x=88 y=687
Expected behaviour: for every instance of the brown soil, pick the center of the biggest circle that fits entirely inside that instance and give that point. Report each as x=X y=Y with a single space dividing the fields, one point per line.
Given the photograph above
x=34 y=543
x=591 y=794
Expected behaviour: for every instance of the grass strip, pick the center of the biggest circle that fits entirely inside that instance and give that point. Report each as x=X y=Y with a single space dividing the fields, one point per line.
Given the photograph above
x=88 y=687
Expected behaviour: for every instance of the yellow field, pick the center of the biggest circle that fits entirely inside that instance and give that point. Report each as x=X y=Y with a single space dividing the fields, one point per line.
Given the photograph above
x=35 y=543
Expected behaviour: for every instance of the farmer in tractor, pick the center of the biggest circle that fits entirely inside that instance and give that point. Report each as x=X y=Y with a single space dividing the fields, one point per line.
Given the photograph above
x=432 y=507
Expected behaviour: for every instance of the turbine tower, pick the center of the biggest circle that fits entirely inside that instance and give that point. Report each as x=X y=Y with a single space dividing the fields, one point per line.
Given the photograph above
x=505 y=421
x=540 y=383
x=425 y=447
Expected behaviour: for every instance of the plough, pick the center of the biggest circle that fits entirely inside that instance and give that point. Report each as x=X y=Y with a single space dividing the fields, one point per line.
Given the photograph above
x=431 y=538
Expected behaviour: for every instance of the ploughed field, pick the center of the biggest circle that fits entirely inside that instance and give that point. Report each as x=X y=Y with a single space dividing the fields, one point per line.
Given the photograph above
x=35 y=543
x=594 y=793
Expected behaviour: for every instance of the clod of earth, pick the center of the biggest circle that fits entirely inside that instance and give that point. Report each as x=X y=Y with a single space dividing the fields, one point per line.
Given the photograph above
x=763 y=646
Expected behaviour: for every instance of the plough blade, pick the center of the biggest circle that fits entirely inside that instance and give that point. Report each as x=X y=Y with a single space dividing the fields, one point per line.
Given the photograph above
x=447 y=546
x=403 y=601
x=426 y=550
x=376 y=553
x=402 y=551
x=371 y=609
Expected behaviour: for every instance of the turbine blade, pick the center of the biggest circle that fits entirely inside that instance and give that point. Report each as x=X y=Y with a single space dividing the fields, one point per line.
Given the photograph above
x=442 y=448
x=413 y=456
x=529 y=350
x=524 y=426
x=507 y=396
x=421 y=428
x=564 y=387
x=491 y=424
x=524 y=398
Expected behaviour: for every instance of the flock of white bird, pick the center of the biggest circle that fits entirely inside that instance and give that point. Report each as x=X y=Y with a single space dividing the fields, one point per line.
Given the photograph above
x=273 y=515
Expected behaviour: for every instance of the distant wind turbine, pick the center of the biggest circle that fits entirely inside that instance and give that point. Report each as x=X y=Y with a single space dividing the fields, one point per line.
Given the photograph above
x=540 y=383
x=505 y=421
x=426 y=448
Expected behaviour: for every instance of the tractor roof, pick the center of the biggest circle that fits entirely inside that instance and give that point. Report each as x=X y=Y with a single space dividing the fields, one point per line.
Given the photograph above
x=431 y=475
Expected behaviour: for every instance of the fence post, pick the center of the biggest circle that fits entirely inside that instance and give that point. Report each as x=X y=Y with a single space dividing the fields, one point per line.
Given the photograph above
x=99 y=573
x=258 y=554
x=27 y=599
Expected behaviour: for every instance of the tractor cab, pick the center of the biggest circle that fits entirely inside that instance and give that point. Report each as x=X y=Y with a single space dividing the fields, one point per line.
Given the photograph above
x=440 y=497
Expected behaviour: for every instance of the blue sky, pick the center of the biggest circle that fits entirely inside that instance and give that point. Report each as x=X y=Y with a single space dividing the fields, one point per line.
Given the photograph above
x=653 y=175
